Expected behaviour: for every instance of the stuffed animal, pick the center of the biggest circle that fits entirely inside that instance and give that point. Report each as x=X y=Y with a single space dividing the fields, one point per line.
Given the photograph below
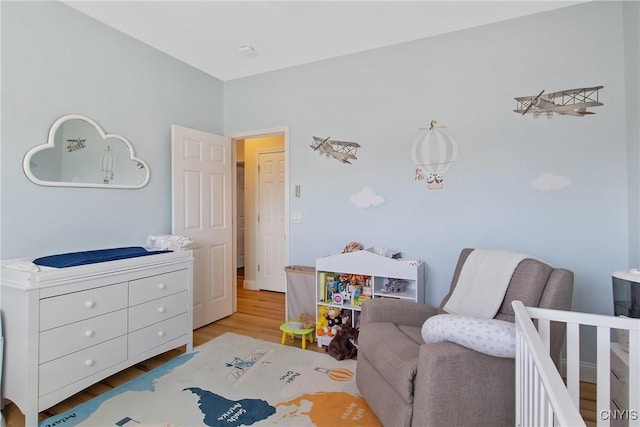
x=395 y=285
x=353 y=247
x=341 y=346
x=321 y=325
x=306 y=320
x=334 y=320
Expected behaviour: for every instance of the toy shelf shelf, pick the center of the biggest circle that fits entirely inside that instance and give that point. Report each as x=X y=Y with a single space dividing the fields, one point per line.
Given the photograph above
x=377 y=275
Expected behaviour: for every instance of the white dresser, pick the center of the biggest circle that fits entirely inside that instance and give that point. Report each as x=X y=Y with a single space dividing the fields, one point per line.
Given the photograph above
x=66 y=329
x=619 y=383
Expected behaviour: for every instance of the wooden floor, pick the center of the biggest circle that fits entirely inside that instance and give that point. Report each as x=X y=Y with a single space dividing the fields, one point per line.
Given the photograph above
x=260 y=314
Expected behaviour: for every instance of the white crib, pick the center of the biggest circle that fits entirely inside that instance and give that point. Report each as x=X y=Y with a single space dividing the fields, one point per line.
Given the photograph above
x=542 y=398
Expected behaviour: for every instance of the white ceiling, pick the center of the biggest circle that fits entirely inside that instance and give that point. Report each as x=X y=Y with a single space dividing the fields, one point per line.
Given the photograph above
x=208 y=34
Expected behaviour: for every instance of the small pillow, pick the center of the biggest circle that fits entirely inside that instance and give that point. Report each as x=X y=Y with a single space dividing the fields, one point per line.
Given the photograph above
x=489 y=336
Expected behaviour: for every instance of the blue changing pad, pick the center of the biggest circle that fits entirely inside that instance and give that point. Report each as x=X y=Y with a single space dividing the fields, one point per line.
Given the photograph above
x=73 y=259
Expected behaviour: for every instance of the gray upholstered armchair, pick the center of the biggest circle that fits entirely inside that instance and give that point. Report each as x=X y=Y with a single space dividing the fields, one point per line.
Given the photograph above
x=408 y=382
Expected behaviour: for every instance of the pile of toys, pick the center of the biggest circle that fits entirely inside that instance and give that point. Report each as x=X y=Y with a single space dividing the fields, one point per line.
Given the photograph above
x=344 y=337
x=346 y=289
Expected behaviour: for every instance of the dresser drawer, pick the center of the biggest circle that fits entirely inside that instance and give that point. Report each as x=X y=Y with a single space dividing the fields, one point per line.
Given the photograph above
x=619 y=387
x=153 y=287
x=74 y=367
x=155 y=335
x=619 y=390
x=619 y=381
x=157 y=310
x=618 y=418
x=68 y=339
x=64 y=309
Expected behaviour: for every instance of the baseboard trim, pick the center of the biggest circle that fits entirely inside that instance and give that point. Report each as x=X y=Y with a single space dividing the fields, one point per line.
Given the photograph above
x=250 y=284
x=588 y=371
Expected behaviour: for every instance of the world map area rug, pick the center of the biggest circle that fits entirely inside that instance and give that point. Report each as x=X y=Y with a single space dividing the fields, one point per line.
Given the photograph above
x=233 y=380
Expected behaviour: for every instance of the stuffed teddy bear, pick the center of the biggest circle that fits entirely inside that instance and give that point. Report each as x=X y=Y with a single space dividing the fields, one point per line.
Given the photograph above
x=341 y=346
x=334 y=320
x=306 y=320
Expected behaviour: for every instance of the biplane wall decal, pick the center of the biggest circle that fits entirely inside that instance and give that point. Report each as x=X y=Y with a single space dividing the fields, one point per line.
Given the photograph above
x=339 y=150
x=572 y=102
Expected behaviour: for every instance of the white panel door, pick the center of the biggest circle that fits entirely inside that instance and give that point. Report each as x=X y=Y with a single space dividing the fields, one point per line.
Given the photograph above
x=201 y=187
x=271 y=222
x=240 y=215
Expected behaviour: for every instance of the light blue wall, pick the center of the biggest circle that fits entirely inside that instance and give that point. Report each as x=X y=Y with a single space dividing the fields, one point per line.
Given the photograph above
x=57 y=61
x=632 y=66
x=467 y=81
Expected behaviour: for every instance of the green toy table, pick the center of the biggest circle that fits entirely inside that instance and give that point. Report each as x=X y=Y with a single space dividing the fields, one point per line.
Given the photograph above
x=293 y=328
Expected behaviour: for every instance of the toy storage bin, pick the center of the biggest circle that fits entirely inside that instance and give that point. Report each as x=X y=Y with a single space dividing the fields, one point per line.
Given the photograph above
x=301 y=290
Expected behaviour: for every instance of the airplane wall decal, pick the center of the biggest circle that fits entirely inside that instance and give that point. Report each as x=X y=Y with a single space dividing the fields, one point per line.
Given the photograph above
x=572 y=102
x=339 y=150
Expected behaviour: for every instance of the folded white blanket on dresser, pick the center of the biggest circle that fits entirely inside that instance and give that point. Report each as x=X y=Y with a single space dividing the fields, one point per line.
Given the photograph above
x=483 y=282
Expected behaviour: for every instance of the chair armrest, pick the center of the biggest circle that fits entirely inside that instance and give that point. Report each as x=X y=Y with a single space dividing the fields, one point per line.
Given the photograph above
x=400 y=312
x=449 y=374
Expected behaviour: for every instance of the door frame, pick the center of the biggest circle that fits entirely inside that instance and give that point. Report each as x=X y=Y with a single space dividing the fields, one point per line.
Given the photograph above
x=235 y=136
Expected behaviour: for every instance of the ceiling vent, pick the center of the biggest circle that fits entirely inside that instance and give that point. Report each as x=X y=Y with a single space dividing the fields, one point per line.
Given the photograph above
x=247 y=51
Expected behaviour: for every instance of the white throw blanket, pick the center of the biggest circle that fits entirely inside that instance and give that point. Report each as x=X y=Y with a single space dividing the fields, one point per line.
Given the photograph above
x=483 y=283
x=172 y=242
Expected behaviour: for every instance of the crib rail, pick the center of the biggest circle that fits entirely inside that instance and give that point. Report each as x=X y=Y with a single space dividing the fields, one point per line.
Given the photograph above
x=542 y=399
x=541 y=396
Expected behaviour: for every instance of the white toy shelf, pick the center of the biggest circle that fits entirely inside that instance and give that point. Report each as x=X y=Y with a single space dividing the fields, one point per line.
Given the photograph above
x=381 y=272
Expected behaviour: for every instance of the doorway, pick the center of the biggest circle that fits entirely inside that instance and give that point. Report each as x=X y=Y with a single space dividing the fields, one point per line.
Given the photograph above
x=264 y=252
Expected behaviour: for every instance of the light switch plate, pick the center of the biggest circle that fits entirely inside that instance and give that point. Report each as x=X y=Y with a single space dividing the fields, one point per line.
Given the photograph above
x=296 y=217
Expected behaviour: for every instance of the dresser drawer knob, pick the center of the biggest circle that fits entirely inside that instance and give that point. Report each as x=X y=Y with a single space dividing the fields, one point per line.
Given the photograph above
x=162 y=286
x=161 y=309
x=89 y=333
x=90 y=304
x=89 y=363
x=161 y=334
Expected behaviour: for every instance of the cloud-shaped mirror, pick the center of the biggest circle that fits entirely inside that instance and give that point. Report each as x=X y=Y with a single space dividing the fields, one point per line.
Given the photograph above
x=80 y=154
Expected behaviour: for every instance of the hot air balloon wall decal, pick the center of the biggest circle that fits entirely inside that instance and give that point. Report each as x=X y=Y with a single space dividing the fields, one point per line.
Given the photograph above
x=433 y=154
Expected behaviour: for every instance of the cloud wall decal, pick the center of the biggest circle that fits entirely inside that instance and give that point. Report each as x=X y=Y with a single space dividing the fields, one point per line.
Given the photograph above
x=366 y=198
x=549 y=182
